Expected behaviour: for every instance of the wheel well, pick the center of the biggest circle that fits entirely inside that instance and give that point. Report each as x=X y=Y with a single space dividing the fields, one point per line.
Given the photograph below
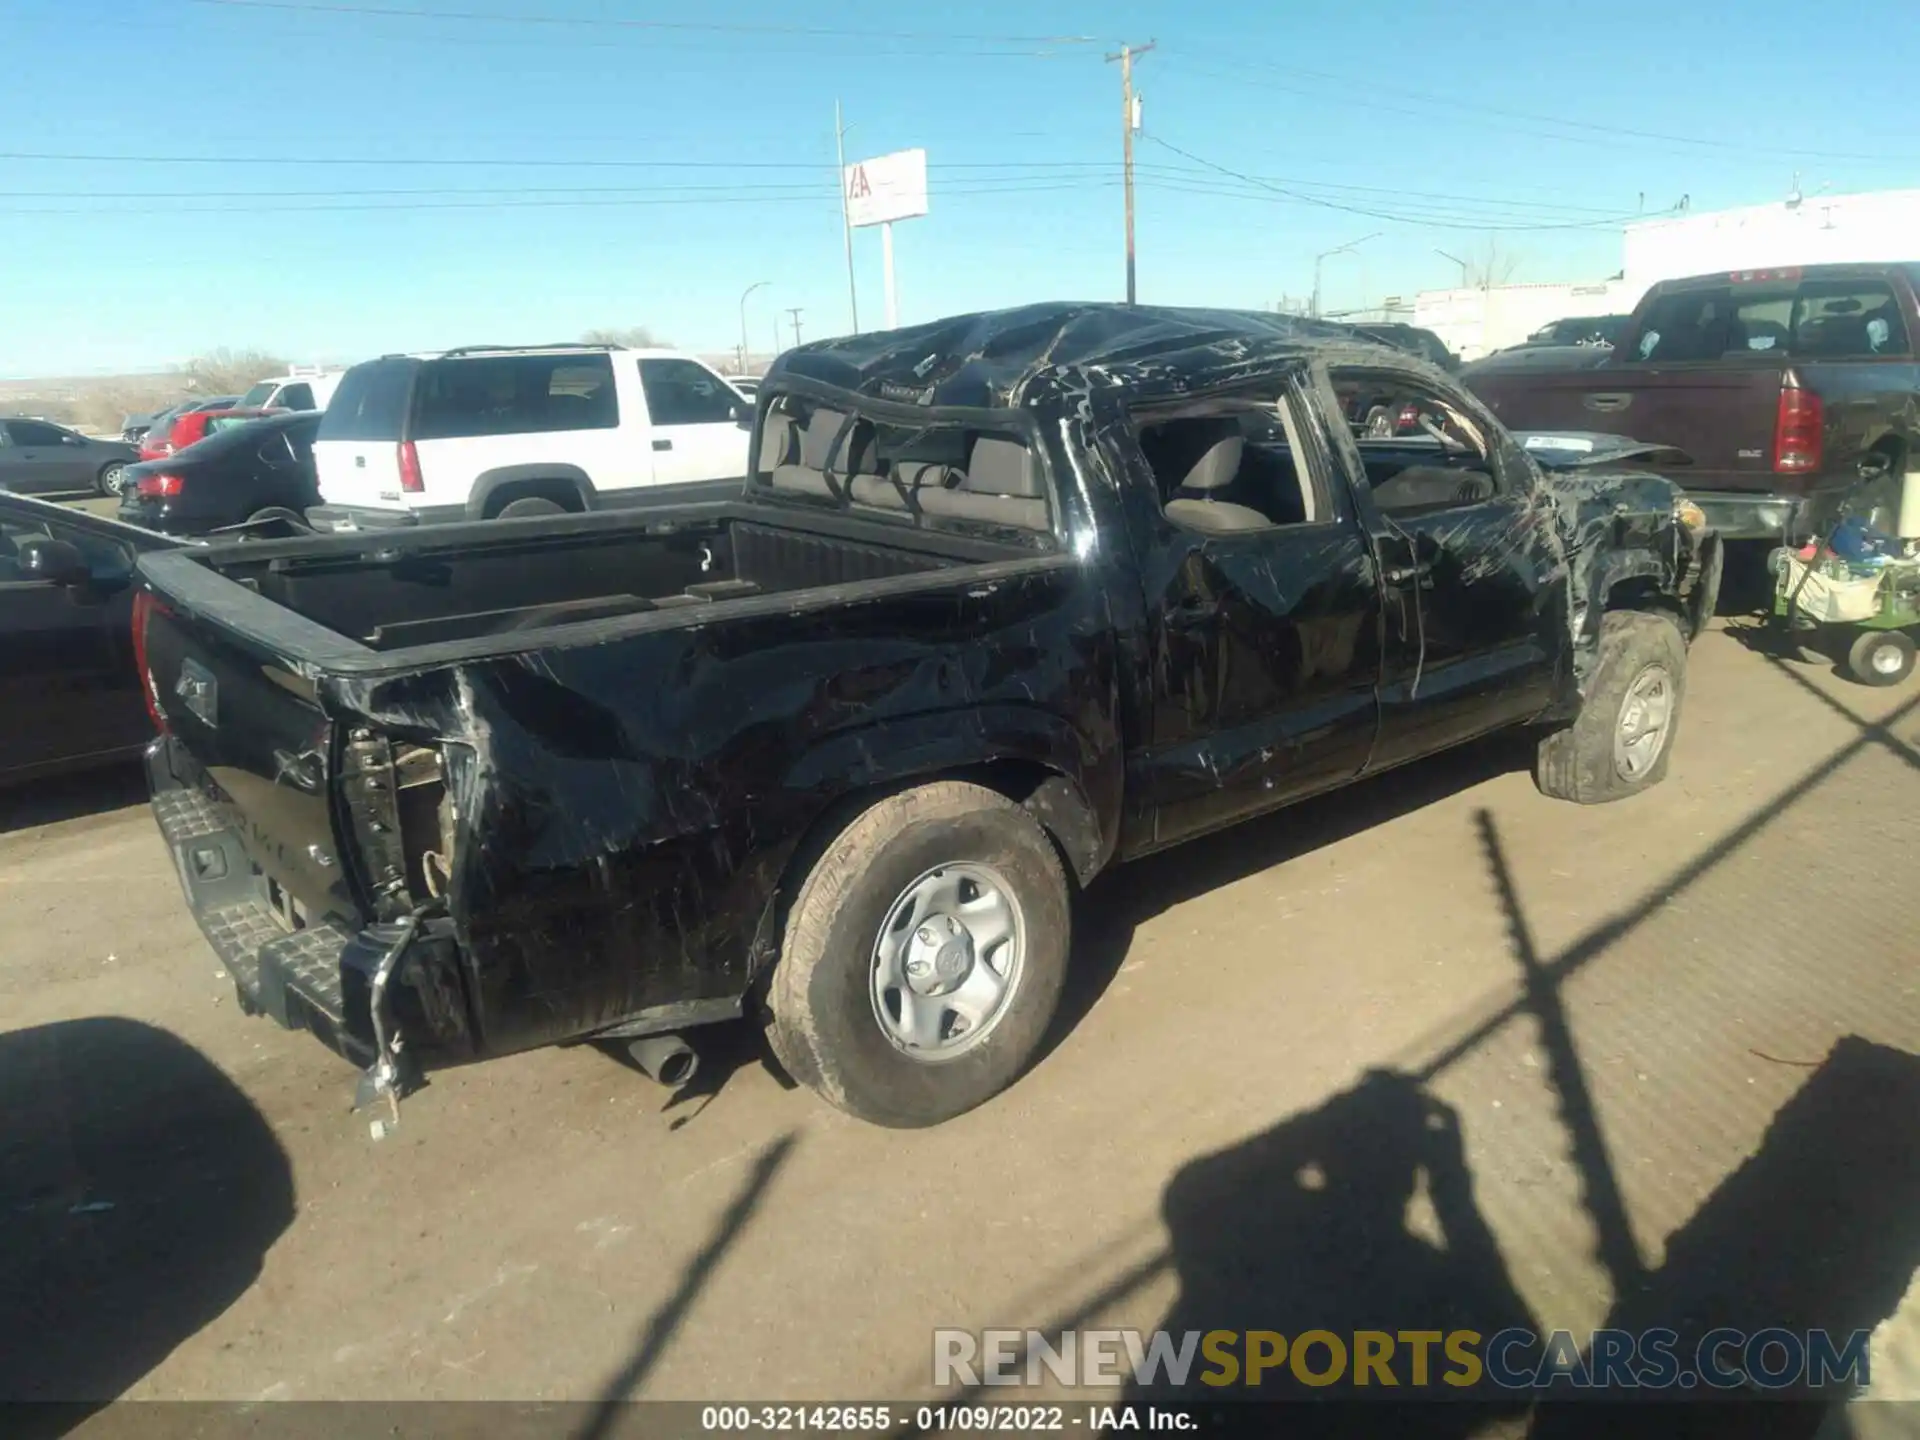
x=1643 y=592
x=562 y=492
x=1048 y=795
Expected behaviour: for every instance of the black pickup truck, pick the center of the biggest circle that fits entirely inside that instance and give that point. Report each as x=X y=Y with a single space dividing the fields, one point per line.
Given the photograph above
x=1008 y=599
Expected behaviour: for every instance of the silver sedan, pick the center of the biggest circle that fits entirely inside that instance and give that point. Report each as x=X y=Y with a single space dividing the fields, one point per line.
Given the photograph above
x=41 y=458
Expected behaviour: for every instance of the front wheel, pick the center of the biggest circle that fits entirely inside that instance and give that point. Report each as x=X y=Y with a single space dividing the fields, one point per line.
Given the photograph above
x=112 y=478
x=1881 y=657
x=923 y=957
x=1619 y=744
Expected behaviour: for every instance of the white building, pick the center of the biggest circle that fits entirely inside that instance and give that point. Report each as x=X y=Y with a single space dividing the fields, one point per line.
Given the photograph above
x=1818 y=229
x=1477 y=321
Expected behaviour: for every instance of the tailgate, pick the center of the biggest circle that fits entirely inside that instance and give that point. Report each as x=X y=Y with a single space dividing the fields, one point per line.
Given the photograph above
x=247 y=737
x=359 y=472
x=1721 y=415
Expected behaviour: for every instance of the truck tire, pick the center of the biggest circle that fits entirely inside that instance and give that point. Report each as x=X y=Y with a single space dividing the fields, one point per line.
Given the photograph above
x=530 y=505
x=1881 y=657
x=923 y=956
x=1620 y=743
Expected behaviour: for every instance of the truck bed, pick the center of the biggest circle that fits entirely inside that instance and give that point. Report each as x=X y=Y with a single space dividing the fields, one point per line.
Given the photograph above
x=461 y=591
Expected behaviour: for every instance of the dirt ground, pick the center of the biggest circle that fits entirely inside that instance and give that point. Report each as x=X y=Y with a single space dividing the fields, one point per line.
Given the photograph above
x=1673 y=1037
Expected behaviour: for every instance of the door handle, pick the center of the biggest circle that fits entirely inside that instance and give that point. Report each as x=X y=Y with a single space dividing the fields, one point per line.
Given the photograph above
x=1401 y=574
x=1607 y=403
x=663 y=444
x=1192 y=613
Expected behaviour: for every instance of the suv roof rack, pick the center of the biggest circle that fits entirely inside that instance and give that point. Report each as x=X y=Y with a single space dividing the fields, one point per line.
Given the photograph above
x=520 y=349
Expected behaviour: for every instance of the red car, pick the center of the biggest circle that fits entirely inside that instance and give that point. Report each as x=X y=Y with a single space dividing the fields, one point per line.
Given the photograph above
x=196 y=425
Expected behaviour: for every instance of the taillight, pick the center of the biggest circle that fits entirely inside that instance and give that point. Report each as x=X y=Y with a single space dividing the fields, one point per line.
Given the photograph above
x=1409 y=418
x=159 y=487
x=143 y=607
x=1797 y=431
x=410 y=469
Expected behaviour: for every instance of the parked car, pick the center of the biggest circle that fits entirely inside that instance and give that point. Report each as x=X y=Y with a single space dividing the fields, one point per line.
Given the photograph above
x=1788 y=388
x=41 y=458
x=69 y=688
x=297 y=390
x=503 y=432
x=194 y=426
x=156 y=442
x=1007 y=598
x=1416 y=341
x=1601 y=330
x=256 y=472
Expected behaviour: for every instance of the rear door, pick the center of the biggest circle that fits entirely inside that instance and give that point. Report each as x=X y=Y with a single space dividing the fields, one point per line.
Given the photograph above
x=67 y=684
x=1264 y=637
x=696 y=429
x=357 y=453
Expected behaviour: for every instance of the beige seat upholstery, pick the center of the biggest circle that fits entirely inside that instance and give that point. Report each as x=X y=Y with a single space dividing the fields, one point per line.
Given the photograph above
x=1217 y=467
x=1001 y=486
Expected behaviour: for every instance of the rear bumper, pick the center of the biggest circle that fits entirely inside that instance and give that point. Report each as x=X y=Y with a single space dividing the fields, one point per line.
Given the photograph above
x=312 y=979
x=1747 y=515
x=352 y=519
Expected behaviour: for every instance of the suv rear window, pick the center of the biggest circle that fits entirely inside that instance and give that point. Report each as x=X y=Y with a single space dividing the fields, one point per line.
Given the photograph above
x=371 y=403
x=513 y=395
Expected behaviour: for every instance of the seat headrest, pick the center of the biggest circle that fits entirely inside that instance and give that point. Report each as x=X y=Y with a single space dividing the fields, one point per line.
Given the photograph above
x=1000 y=466
x=777 y=442
x=1220 y=446
x=816 y=441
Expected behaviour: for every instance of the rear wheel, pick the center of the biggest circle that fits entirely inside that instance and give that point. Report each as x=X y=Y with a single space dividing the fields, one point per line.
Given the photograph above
x=112 y=478
x=1620 y=743
x=1881 y=657
x=923 y=956
x=529 y=505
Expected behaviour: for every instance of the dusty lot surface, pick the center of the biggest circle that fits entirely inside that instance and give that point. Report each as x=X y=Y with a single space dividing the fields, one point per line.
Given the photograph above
x=1652 y=1027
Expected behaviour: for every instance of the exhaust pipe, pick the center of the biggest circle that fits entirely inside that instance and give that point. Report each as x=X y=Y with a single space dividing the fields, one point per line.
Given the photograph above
x=667 y=1059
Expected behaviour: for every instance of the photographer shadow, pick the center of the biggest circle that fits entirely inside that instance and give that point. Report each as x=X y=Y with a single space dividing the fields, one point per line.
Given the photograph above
x=1356 y=1216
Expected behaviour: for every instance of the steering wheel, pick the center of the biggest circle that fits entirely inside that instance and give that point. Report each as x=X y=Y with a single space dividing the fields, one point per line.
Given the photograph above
x=1447 y=442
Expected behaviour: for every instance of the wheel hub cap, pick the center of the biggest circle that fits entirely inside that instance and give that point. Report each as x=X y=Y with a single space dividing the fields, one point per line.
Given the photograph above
x=948 y=959
x=1645 y=714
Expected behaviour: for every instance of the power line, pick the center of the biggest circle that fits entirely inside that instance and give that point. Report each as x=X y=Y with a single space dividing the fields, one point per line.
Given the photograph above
x=619 y=23
x=1179 y=171
x=542 y=162
x=1379 y=214
x=1363 y=91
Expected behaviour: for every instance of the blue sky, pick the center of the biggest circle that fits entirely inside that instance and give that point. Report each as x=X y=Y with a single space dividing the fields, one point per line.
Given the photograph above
x=455 y=179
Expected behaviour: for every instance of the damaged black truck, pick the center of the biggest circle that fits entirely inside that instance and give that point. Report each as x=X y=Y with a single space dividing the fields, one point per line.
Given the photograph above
x=1008 y=599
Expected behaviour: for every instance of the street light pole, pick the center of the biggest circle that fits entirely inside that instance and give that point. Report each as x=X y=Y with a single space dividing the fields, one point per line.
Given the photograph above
x=743 y=322
x=1313 y=305
x=1458 y=261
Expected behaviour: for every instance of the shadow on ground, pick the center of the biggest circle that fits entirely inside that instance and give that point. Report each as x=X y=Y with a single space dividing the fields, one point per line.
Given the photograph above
x=141 y=1191
x=1120 y=901
x=72 y=797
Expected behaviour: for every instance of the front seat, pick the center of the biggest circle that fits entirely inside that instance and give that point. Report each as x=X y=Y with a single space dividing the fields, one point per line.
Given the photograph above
x=1223 y=446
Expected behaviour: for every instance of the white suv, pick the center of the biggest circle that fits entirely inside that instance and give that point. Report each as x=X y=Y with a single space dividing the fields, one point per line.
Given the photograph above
x=501 y=431
x=299 y=390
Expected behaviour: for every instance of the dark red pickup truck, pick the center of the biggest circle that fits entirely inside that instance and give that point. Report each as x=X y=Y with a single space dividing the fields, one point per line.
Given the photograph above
x=1786 y=387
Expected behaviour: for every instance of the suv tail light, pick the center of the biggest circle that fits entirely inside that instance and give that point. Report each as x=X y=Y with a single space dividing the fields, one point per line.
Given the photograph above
x=143 y=607
x=1797 y=430
x=410 y=480
x=159 y=487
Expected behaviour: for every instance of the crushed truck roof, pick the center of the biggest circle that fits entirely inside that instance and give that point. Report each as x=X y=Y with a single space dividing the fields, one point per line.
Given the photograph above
x=992 y=359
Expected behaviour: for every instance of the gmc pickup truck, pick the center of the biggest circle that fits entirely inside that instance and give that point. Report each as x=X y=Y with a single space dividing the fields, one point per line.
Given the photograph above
x=1007 y=599
x=1787 y=388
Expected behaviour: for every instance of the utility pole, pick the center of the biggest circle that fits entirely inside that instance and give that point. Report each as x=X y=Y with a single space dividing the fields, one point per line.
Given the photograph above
x=846 y=221
x=1313 y=303
x=743 y=322
x=1129 y=122
x=794 y=311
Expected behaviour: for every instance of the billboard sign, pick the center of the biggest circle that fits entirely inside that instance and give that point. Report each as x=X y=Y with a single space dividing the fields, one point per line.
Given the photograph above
x=886 y=188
